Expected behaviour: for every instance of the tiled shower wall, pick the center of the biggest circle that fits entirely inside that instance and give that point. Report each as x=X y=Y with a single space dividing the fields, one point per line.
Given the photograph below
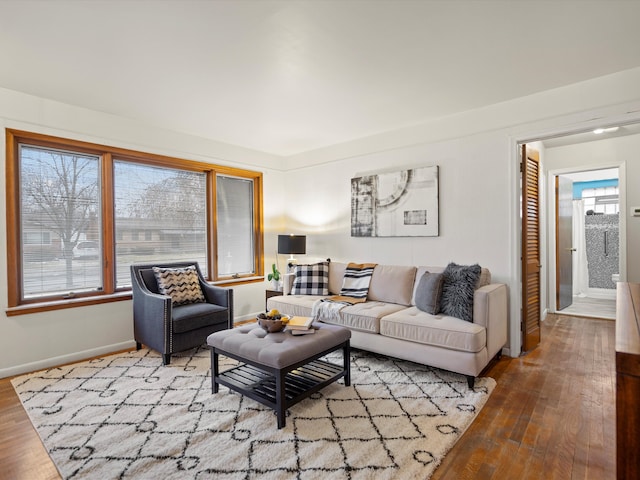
x=602 y=245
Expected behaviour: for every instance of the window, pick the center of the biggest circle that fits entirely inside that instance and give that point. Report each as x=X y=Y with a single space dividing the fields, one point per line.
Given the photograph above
x=60 y=197
x=235 y=222
x=601 y=200
x=165 y=201
x=80 y=214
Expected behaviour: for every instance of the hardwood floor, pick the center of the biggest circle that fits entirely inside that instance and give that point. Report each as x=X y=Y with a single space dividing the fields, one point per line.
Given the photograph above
x=22 y=455
x=552 y=415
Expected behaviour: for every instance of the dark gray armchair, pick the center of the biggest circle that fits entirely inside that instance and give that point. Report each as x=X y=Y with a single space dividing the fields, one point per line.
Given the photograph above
x=167 y=328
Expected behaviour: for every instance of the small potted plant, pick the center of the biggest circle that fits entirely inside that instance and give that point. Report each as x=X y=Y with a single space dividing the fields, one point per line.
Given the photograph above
x=274 y=277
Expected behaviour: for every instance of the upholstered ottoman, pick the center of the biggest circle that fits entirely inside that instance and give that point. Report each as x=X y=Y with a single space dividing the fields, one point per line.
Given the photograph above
x=279 y=369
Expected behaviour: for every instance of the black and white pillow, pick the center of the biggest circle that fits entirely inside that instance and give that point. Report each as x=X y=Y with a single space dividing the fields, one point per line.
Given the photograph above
x=460 y=282
x=311 y=279
x=181 y=284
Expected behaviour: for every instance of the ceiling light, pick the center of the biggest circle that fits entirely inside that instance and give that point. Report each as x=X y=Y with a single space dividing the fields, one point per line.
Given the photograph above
x=598 y=131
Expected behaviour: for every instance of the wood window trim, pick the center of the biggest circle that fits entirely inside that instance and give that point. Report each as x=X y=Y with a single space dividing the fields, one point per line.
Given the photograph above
x=18 y=306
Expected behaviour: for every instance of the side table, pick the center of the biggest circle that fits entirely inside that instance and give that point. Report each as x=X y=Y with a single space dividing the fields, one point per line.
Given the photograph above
x=270 y=293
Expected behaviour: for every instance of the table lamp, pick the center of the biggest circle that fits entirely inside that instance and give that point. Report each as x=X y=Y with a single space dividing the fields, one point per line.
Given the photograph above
x=291 y=245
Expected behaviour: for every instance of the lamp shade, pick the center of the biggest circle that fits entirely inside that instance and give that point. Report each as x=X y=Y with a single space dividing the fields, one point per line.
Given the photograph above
x=290 y=244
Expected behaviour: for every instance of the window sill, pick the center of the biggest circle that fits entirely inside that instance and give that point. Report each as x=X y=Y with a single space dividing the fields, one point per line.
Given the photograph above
x=98 y=299
x=237 y=281
x=70 y=303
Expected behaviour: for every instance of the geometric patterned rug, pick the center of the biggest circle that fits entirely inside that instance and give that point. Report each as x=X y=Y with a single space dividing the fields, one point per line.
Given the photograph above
x=128 y=416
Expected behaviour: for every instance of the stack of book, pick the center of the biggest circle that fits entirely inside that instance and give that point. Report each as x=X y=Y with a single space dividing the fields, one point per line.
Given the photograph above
x=300 y=325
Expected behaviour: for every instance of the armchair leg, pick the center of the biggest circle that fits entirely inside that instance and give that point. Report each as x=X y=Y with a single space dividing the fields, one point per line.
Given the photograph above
x=166 y=358
x=138 y=345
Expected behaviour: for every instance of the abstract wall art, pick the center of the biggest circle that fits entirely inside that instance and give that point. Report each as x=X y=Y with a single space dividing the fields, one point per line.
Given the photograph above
x=395 y=204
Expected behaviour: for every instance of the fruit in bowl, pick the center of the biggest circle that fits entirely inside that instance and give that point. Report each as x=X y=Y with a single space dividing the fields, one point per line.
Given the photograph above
x=272 y=321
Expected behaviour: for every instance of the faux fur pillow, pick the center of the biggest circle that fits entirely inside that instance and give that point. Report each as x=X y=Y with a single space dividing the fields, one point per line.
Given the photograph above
x=311 y=279
x=429 y=292
x=181 y=284
x=460 y=282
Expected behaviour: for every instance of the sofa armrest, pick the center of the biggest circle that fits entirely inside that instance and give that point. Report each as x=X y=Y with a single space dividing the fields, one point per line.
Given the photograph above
x=490 y=311
x=287 y=283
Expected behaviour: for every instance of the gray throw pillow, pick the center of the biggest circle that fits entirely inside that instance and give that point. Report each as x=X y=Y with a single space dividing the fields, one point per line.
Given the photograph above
x=460 y=282
x=429 y=292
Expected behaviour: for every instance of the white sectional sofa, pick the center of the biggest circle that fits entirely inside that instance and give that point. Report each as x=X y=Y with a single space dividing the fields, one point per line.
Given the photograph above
x=389 y=322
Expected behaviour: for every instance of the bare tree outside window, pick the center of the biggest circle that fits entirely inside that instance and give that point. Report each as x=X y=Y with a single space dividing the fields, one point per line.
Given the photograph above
x=161 y=215
x=59 y=199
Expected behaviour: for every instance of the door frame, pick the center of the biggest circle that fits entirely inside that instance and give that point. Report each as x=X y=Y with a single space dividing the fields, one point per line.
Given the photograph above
x=564 y=126
x=622 y=223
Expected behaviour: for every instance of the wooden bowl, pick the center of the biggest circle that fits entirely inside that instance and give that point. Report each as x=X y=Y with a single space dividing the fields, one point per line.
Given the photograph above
x=271 y=325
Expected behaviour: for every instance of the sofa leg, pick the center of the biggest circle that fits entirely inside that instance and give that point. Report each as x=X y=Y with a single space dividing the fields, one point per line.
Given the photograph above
x=138 y=345
x=471 y=381
x=166 y=358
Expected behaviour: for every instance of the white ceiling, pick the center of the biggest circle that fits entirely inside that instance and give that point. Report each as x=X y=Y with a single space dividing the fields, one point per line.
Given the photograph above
x=286 y=77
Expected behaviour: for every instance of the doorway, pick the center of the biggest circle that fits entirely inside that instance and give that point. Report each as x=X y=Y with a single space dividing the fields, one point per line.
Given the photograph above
x=591 y=243
x=580 y=151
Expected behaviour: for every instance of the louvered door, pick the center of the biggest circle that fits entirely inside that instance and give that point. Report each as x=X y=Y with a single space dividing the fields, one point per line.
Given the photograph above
x=530 y=249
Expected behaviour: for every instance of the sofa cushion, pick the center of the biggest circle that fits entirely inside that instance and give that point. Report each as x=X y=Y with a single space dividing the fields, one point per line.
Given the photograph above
x=197 y=315
x=460 y=282
x=442 y=331
x=181 y=284
x=392 y=284
x=364 y=316
x=311 y=279
x=294 y=305
x=429 y=292
x=336 y=276
x=485 y=277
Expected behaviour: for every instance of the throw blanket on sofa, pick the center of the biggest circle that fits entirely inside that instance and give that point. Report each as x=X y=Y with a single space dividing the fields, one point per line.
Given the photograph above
x=355 y=287
x=325 y=310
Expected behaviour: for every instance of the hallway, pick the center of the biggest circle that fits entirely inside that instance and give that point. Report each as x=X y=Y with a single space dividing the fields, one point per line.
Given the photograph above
x=591 y=307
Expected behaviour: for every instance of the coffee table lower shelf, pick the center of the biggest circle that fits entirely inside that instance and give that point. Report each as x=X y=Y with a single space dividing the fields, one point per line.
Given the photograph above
x=280 y=389
x=298 y=384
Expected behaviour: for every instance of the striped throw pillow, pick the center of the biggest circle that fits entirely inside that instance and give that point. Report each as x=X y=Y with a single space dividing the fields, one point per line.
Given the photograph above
x=356 y=280
x=181 y=284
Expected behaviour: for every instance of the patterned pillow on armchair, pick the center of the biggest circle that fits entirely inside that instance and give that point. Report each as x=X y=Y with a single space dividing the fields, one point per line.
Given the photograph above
x=181 y=284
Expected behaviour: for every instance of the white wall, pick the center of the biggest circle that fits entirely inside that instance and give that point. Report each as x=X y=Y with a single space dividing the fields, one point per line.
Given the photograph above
x=479 y=198
x=473 y=206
